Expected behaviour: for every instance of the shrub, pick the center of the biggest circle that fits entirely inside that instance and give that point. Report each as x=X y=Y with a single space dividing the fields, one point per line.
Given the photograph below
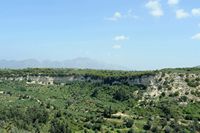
x=147 y=126
x=163 y=94
x=176 y=94
x=187 y=80
x=186 y=93
x=183 y=98
x=129 y=123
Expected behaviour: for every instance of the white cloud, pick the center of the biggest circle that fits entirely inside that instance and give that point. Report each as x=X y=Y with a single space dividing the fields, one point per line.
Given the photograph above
x=196 y=11
x=117 y=46
x=173 y=2
x=130 y=14
x=180 y=14
x=196 y=37
x=155 y=8
x=121 y=38
x=116 y=16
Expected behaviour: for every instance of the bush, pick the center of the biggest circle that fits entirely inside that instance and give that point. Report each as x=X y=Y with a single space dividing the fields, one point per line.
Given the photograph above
x=163 y=94
x=186 y=93
x=129 y=123
x=147 y=126
x=183 y=98
x=176 y=94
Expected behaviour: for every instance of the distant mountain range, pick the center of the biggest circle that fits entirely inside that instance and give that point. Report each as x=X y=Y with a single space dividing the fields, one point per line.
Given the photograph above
x=82 y=63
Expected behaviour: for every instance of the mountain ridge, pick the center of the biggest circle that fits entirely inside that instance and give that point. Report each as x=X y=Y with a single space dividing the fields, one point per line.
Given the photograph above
x=81 y=63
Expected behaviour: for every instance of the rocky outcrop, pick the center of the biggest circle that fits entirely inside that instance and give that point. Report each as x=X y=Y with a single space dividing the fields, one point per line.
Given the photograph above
x=182 y=86
x=145 y=80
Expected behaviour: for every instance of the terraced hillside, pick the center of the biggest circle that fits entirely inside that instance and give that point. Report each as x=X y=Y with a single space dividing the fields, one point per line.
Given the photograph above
x=71 y=100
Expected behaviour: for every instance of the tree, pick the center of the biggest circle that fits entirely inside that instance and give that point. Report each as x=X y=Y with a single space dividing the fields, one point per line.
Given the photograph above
x=59 y=126
x=121 y=95
x=107 y=112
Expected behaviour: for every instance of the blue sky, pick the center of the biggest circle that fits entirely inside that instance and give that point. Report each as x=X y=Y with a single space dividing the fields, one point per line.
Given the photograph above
x=138 y=34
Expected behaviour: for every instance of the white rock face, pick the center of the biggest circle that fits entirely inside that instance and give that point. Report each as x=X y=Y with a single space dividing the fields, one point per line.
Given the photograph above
x=46 y=80
x=170 y=83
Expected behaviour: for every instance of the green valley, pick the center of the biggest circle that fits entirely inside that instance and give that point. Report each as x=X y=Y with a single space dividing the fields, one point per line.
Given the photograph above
x=87 y=101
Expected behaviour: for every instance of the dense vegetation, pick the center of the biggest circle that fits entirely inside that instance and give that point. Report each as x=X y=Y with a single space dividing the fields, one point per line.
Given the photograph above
x=67 y=72
x=90 y=106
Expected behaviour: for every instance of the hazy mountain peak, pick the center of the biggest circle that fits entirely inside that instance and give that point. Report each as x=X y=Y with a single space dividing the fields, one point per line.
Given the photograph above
x=81 y=62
